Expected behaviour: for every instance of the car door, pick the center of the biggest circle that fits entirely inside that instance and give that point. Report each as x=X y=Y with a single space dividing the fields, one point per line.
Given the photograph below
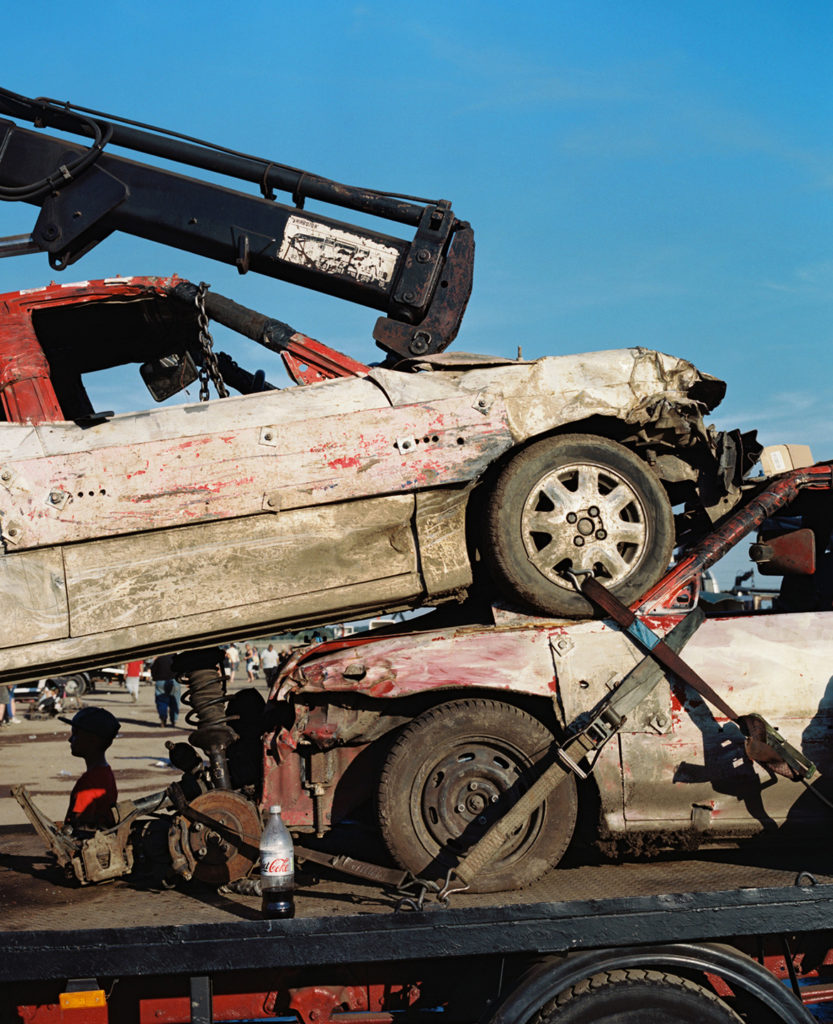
x=695 y=772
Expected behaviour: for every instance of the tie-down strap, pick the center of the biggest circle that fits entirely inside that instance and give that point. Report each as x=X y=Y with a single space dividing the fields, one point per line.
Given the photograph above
x=764 y=743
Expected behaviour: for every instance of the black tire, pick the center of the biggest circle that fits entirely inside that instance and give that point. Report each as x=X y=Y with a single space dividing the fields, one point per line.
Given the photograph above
x=582 y=503
x=440 y=787
x=637 y=997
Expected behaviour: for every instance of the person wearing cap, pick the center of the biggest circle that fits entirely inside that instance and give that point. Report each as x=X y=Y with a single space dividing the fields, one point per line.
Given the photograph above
x=95 y=794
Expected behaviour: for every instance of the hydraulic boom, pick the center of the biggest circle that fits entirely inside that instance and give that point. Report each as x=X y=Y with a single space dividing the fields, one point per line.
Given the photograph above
x=85 y=193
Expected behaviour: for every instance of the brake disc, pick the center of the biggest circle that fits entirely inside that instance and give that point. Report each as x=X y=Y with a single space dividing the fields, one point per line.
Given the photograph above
x=216 y=839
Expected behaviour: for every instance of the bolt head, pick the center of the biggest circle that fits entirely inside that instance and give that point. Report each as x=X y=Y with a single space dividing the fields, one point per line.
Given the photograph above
x=419 y=343
x=572 y=517
x=578 y=541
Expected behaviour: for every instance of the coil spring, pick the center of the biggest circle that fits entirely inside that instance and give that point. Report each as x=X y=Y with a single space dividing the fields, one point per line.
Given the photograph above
x=205 y=694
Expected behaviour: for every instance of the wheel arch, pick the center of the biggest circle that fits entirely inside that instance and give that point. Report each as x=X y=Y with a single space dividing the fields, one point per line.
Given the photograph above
x=629 y=435
x=547 y=979
x=395 y=713
x=680 y=486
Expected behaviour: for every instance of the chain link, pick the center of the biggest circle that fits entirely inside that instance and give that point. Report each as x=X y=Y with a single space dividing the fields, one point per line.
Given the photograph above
x=209 y=369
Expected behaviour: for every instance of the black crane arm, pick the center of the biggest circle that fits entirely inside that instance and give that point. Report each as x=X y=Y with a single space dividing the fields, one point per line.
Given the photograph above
x=85 y=193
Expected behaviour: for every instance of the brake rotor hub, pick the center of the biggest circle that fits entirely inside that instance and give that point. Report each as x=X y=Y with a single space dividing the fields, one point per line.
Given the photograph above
x=216 y=839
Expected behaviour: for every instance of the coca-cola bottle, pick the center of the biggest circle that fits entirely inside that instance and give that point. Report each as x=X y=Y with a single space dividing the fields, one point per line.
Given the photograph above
x=277 y=867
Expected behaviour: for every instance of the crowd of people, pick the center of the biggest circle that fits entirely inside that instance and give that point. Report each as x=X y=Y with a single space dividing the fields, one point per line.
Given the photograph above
x=254 y=661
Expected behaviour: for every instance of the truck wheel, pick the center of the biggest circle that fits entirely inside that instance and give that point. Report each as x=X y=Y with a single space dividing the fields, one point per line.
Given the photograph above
x=440 y=787
x=637 y=997
x=75 y=686
x=577 y=503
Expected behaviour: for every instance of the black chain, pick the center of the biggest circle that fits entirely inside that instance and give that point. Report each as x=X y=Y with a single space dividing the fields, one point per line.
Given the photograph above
x=209 y=369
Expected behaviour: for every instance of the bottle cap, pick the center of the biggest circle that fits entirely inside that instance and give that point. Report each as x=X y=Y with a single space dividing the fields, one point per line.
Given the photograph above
x=275 y=809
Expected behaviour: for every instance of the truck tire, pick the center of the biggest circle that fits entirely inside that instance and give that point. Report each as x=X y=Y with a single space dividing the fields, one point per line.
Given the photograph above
x=580 y=503
x=637 y=997
x=75 y=686
x=443 y=778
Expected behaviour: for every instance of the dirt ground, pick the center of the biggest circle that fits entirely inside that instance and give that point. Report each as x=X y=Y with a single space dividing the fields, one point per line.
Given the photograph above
x=36 y=753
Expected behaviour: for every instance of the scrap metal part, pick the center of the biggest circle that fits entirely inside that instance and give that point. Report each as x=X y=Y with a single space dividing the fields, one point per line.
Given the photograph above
x=215 y=837
x=97 y=856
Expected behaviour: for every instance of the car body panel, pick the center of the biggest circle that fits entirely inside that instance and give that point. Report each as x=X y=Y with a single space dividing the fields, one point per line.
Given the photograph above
x=676 y=766
x=156 y=470
x=180 y=526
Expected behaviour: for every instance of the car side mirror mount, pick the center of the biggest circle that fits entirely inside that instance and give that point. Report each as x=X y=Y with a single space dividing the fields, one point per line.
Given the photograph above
x=168 y=375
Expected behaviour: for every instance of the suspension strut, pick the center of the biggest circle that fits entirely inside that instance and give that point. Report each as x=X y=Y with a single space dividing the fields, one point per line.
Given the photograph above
x=201 y=673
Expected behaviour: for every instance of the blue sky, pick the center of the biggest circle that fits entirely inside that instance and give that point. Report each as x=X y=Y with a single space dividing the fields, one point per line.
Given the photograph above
x=640 y=173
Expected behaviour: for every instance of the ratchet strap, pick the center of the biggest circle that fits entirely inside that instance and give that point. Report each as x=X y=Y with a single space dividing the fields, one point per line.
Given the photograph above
x=351 y=866
x=560 y=761
x=764 y=743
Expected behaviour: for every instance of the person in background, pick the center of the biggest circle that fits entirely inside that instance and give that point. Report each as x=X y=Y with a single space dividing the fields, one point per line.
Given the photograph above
x=249 y=658
x=95 y=794
x=232 y=661
x=132 y=672
x=167 y=690
x=269 y=662
x=11 y=717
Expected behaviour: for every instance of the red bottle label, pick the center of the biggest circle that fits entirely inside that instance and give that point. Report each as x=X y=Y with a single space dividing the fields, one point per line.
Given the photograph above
x=277 y=866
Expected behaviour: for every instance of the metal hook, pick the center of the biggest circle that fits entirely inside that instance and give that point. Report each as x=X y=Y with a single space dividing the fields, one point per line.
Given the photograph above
x=446 y=892
x=415 y=901
x=573 y=577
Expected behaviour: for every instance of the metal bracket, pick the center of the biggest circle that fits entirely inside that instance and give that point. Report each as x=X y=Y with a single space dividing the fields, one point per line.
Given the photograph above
x=482 y=403
x=57 y=500
x=12 y=531
x=561 y=645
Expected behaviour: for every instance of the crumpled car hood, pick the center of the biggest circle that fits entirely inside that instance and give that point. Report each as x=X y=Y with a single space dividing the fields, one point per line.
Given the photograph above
x=625 y=384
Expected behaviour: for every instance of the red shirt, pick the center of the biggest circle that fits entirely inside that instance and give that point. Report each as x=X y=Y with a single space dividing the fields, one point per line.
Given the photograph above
x=93 y=797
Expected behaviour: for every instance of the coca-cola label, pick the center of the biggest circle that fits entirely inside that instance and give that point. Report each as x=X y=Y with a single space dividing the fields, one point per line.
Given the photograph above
x=277 y=867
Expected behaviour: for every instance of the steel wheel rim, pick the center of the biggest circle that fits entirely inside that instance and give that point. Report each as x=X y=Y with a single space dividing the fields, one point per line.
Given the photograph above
x=457 y=798
x=584 y=517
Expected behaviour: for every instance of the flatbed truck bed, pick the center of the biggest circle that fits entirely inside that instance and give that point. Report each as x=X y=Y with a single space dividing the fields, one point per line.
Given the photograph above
x=193 y=954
